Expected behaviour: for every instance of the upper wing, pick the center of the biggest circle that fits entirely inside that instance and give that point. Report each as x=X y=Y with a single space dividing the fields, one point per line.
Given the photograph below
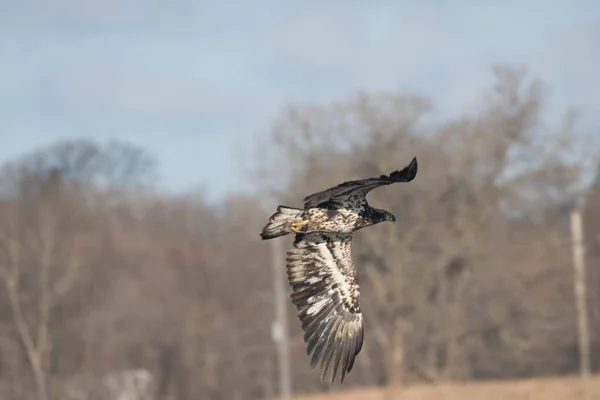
x=357 y=190
x=325 y=291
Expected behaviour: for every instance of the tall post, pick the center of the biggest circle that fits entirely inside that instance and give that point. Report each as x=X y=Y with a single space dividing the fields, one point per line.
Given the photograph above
x=579 y=280
x=280 y=327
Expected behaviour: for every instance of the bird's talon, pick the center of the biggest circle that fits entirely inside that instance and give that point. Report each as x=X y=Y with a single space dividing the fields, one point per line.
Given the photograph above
x=299 y=226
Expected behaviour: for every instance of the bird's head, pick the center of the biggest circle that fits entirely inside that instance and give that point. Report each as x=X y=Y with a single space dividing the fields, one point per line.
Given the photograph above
x=382 y=216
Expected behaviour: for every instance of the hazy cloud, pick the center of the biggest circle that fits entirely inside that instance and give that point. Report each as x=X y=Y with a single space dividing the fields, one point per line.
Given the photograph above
x=189 y=79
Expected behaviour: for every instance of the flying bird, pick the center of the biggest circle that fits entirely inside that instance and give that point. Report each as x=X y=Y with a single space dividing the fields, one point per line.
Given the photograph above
x=324 y=281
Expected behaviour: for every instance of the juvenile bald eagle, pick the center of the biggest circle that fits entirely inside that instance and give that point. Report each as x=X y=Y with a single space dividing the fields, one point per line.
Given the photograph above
x=320 y=269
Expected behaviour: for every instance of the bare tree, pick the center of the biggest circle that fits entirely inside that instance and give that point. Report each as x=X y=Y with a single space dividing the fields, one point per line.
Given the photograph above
x=43 y=242
x=100 y=272
x=47 y=234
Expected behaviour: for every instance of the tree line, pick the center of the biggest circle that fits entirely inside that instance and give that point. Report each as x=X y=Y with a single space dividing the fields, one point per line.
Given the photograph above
x=100 y=271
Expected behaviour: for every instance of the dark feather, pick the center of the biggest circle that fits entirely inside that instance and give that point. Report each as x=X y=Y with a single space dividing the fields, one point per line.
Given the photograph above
x=350 y=193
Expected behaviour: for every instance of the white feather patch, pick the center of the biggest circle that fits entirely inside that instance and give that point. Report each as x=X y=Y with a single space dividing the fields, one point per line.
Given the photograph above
x=316 y=307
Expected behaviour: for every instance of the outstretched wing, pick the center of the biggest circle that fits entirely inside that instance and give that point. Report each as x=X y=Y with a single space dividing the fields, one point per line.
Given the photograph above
x=355 y=191
x=326 y=294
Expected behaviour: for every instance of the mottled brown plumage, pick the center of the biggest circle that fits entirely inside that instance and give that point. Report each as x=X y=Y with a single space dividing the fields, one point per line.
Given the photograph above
x=323 y=278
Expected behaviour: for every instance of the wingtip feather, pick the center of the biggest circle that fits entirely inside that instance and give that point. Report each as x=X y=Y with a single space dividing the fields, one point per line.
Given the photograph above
x=407 y=173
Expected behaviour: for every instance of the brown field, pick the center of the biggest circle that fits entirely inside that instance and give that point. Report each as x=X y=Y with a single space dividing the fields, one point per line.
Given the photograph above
x=543 y=389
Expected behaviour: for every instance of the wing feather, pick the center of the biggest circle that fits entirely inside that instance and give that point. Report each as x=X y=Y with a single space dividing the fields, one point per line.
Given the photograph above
x=338 y=196
x=326 y=294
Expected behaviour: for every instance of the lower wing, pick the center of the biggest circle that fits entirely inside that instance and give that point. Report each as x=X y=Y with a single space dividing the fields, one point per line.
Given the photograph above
x=326 y=294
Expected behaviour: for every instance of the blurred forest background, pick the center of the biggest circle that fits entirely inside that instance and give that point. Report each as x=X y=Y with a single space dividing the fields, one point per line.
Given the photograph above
x=102 y=273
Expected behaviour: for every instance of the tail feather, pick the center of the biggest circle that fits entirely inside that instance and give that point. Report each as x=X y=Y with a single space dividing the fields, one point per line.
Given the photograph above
x=279 y=223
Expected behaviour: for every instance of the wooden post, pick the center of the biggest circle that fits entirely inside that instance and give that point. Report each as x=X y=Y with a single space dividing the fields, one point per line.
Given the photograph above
x=579 y=281
x=281 y=334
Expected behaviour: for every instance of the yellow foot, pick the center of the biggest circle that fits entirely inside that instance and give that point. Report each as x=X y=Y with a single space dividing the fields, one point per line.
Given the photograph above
x=299 y=226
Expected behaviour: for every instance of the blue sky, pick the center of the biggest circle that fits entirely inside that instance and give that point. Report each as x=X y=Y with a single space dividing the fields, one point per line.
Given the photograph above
x=190 y=80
